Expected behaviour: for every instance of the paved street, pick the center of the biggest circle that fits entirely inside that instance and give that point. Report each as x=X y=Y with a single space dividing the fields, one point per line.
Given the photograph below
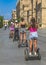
x=11 y=55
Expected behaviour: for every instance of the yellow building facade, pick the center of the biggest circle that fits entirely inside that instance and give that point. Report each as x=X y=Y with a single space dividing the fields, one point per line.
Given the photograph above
x=14 y=14
x=24 y=9
x=5 y=22
x=32 y=8
x=43 y=13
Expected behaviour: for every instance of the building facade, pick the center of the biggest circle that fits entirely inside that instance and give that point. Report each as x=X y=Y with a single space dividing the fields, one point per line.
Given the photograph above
x=32 y=8
x=14 y=17
x=43 y=13
x=5 y=22
x=24 y=9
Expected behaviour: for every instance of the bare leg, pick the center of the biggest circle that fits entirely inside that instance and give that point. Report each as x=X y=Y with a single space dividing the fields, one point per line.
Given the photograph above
x=13 y=33
x=35 y=45
x=24 y=37
x=10 y=33
x=20 y=37
x=30 y=45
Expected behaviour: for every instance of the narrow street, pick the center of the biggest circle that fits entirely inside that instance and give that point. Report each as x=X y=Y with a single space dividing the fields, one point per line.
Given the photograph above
x=10 y=54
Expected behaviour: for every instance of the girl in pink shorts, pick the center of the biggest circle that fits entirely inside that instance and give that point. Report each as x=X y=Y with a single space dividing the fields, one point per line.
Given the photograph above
x=12 y=29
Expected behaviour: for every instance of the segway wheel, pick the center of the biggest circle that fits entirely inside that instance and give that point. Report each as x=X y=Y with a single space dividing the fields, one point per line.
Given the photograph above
x=19 y=46
x=26 y=54
x=39 y=57
x=26 y=45
x=38 y=50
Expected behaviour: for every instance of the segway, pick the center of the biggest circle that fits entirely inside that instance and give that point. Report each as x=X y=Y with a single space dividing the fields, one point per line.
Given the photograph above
x=23 y=44
x=16 y=35
x=32 y=56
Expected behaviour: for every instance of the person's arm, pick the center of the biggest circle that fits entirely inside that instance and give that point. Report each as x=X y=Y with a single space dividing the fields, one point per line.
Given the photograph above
x=26 y=25
x=19 y=24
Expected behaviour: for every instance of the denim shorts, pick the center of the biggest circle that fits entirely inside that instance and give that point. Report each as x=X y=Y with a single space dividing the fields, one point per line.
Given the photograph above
x=33 y=35
x=23 y=30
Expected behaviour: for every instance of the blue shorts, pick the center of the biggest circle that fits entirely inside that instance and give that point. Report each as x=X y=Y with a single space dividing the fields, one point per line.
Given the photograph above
x=33 y=35
x=23 y=30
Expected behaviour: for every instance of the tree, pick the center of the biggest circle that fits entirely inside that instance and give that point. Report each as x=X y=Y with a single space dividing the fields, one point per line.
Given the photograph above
x=9 y=22
x=1 y=21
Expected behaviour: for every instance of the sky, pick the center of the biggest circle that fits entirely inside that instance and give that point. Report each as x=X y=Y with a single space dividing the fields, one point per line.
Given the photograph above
x=6 y=7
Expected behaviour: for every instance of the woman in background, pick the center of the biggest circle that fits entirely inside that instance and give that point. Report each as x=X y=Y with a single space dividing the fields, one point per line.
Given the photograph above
x=11 y=30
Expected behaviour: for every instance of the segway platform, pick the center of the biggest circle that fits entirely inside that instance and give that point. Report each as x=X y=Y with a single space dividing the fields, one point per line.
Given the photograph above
x=16 y=39
x=32 y=56
x=23 y=45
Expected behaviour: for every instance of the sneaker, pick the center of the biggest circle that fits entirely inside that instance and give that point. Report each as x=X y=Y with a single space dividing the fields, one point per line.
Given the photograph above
x=30 y=53
x=35 y=53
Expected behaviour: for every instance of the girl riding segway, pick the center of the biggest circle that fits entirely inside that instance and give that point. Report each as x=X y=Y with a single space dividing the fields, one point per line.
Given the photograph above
x=11 y=30
x=33 y=36
x=16 y=32
x=22 y=26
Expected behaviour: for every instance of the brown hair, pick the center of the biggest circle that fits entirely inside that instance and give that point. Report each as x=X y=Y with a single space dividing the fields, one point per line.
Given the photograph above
x=33 y=22
x=22 y=19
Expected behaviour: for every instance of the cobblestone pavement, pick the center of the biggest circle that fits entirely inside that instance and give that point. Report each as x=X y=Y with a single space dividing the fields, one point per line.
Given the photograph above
x=11 y=55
